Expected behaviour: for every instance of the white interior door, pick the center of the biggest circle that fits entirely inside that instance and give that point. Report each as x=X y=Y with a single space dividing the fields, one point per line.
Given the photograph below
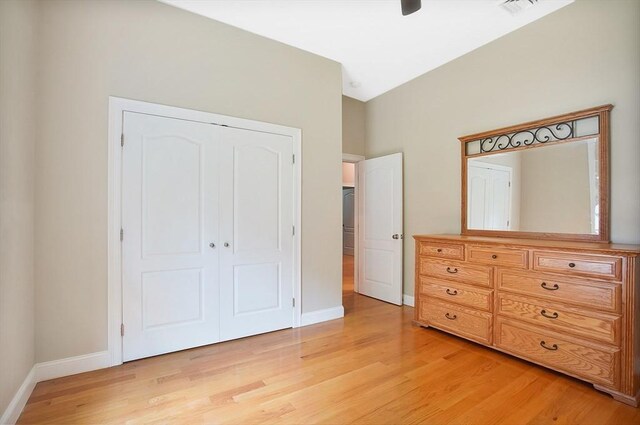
x=169 y=216
x=380 y=233
x=348 y=231
x=257 y=232
x=489 y=200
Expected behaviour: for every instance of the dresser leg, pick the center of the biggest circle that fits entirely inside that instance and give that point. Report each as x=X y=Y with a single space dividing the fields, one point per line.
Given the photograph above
x=422 y=325
x=623 y=398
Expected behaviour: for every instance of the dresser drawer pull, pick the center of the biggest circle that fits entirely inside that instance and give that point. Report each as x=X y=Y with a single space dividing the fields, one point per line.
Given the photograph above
x=555 y=286
x=455 y=270
x=450 y=317
x=572 y=265
x=494 y=256
x=454 y=292
x=544 y=345
x=554 y=315
x=439 y=249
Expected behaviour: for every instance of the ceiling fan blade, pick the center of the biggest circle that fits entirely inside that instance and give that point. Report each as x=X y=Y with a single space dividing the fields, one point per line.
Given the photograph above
x=410 y=6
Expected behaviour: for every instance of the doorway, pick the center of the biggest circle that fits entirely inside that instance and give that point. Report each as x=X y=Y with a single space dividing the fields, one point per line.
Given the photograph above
x=374 y=188
x=349 y=223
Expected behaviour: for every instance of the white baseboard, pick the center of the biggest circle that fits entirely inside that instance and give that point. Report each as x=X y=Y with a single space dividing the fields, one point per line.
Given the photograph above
x=321 y=315
x=72 y=365
x=408 y=300
x=51 y=370
x=13 y=410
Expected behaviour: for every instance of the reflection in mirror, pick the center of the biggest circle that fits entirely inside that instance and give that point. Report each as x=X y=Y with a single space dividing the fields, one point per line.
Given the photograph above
x=549 y=190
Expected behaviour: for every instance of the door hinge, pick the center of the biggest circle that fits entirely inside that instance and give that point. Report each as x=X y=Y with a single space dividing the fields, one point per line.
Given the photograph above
x=122 y=140
x=294 y=301
x=294 y=158
x=121 y=329
x=121 y=234
x=294 y=230
x=509 y=184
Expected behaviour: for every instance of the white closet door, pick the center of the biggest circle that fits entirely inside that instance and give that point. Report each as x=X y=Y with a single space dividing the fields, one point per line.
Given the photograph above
x=169 y=216
x=256 y=193
x=380 y=232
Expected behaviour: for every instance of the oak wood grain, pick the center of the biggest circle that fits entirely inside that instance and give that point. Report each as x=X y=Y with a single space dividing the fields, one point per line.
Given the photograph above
x=511 y=257
x=466 y=295
x=596 y=295
x=580 y=322
x=589 y=265
x=467 y=322
x=596 y=363
x=456 y=271
x=442 y=250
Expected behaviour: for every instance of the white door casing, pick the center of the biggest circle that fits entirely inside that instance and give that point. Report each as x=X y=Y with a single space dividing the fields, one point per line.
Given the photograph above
x=380 y=234
x=170 y=215
x=256 y=184
x=489 y=199
x=348 y=222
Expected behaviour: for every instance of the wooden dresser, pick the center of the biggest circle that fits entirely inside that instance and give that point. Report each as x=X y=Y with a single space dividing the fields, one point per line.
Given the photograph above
x=570 y=306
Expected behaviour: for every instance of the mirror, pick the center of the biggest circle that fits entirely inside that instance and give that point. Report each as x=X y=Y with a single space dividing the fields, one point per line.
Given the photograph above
x=542 y=179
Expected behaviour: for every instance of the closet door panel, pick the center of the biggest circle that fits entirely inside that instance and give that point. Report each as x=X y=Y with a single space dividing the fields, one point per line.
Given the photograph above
x=256 y=195
x=169 y=217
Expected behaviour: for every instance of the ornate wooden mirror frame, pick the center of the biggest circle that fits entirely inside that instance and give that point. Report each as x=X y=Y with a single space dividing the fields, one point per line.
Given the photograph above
x=537 y=134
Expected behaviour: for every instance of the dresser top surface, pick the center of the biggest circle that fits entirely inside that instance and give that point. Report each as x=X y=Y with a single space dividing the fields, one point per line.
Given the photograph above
x=538 y=243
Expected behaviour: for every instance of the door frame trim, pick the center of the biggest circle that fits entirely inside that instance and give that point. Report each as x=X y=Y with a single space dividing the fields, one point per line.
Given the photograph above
x=117 y=107
x=355 y=159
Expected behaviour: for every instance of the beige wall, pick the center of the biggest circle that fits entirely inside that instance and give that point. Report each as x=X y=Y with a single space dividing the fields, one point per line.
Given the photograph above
x=584 y=55
x=353 y=114
x=149 y=51
x=18 y=51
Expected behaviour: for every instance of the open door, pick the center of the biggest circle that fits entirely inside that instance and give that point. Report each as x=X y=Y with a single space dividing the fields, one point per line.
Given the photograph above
x=380 y=221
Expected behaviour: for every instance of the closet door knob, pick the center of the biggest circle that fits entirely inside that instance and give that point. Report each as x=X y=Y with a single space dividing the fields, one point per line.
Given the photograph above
x=212 y=245
x=226 y=244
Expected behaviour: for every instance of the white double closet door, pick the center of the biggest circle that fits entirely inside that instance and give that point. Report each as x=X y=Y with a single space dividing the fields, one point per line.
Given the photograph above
x=207 y=214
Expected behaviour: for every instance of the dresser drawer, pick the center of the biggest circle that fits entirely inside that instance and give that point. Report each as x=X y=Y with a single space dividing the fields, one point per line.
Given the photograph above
x=467 y=295
x=466 y=322
x=598 y=326
x=582 y=292
x=599 y=266
x=504 y=257
x=442 y=250
x=586 y=360
x=458 y=271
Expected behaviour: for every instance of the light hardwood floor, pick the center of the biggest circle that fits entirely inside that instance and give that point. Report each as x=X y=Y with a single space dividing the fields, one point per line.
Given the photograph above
x=373 y=367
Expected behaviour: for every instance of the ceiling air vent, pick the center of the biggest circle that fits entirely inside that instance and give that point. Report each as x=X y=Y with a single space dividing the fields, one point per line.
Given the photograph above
x=516 y=6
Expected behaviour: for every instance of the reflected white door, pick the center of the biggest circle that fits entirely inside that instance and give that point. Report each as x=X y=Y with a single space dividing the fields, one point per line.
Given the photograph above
x=380 y=228
x=256 y=191
x=169 y=216
x=348 y=231
x=489 y=200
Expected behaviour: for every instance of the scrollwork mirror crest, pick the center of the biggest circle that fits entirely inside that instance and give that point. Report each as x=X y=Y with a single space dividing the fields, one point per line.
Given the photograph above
x=543 y=179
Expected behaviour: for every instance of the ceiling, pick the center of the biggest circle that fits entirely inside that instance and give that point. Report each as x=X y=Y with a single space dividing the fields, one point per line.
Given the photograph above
x=379 y=49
